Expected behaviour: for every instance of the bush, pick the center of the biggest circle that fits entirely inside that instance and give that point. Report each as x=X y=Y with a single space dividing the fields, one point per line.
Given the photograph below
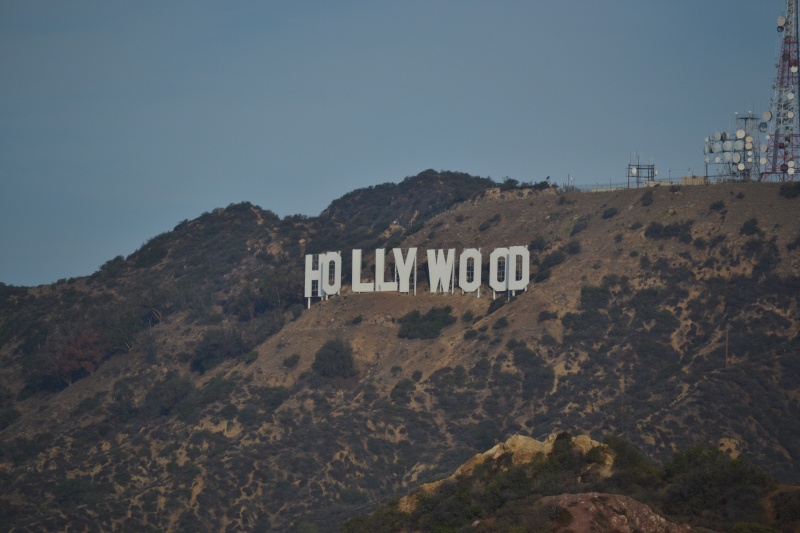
x=216 y=346
x=552 y=259
x=580 y=225
x=415 y=325
x=749 y=228
x=8 y=417
x=335 y=359
x=501 y=323
x=705 y=480
x=719 y=205
x=401 y=393
x=538 y=243
x=167 y=394
x=573 y=247
x=610 y=212
x=647 y=198
x=547 y=315
x=790 y=190
x=291 y=361
x=677 y=230
x=495 y=305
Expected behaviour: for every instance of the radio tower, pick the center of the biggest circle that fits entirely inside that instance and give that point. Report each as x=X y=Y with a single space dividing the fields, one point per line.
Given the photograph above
x=783 y=121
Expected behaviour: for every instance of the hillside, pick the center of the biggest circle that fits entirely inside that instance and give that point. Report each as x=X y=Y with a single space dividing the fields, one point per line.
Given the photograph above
x=186 y=387
x=566 y=484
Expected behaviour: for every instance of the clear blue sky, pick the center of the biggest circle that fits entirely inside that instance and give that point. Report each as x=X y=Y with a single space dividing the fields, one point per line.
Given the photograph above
x=120 y=119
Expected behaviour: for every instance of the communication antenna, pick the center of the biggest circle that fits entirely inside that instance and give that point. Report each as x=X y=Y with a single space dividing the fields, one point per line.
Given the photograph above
x=641 y=173
x=783 y=121
x=734 y=155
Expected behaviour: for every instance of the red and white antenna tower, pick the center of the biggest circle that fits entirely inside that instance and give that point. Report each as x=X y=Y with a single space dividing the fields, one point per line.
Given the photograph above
x=783 y=121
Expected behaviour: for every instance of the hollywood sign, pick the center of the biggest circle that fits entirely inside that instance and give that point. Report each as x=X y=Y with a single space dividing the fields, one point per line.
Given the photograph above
x=509 y=271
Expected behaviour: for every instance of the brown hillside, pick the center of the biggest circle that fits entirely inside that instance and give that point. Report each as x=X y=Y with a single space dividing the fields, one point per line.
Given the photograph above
x=205 y=410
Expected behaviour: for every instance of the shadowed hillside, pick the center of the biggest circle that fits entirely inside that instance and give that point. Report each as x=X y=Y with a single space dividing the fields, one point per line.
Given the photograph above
x=186 y=387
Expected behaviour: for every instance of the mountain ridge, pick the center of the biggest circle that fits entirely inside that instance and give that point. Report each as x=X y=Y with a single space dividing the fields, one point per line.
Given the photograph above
x=185 y=373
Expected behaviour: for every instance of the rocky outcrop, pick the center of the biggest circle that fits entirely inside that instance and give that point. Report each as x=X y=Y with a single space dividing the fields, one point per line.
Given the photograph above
x=593 y=511
x=520 y=448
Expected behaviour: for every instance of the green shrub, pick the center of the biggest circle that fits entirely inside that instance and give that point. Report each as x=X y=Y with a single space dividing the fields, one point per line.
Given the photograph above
x=496 y=304
x=415 y=325
x=677 y=230
x=610 y=212
x=790 y=190
x=538 y=243
x=8 y=417
x=297 y=310
x=547 y=315
x=501 y=323
x=552 y=259
x=291 y=361
x=580 y=225
x=335 y=359
x=749 y=228
x=401 y=393
x=217 y=345
x=573 y=247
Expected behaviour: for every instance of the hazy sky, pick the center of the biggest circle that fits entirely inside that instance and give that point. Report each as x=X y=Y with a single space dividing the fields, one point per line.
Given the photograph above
x=120 y=119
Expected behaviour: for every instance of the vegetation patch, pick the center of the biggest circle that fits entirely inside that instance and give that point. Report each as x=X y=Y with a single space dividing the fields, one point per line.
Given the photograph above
x=335 y=359
x=415 y=325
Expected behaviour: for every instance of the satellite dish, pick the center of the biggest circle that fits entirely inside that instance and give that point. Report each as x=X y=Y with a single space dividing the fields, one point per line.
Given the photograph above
x=706 y=149
x=717 y=136
x=748 y=139
x=748 y=146
x=708 y=160
x=727 y=146
x=791 y=164
x=790 y=115
x=633 y=171
x=781 y=20
x=762 y=161
x=717 y=160
x=794 y=69
x=767 y=116
x=736 y=157
x=740 y=134
x=762 y=127
x=706 y=139
x=790 y=171
x=749 y=159
x=740 y=166
x=763 y=147
x=790 y=96
x=727 y=157
x=738 y=145
x=716 y=147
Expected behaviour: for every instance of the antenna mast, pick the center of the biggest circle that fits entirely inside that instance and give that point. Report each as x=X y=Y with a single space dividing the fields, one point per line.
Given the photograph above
x=783 y=148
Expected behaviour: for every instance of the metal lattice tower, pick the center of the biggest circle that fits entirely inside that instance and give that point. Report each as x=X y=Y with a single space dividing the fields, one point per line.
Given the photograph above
x=783 y=121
